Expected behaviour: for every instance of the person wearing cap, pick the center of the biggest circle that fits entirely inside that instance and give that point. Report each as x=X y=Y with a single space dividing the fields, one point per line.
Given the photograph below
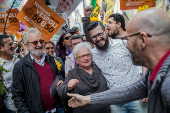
x=70 y=61
x=74 y=30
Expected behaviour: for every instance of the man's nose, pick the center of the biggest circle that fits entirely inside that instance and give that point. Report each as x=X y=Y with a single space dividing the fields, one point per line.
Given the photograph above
x=107 y=26
x=39 y=44
x=98 y=38
x=86 y=57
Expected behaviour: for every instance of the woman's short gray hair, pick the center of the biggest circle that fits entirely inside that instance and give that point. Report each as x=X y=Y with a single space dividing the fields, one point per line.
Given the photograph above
x=79 y=46
x=28 y=32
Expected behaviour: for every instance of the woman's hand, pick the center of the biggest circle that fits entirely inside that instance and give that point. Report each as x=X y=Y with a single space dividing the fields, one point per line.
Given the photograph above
x=72 y=83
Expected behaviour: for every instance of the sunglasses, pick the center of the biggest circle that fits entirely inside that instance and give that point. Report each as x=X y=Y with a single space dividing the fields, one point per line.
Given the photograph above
x=36 y=42
x=67 y=38
x=8 y=43
x=49 y=48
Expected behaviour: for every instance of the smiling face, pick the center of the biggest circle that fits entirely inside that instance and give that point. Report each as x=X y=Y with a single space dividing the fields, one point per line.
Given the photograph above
x=7 y=47
x=49 y=48
x=35 y=44
x=112 y=27
x=84 y=58
x=99 y=38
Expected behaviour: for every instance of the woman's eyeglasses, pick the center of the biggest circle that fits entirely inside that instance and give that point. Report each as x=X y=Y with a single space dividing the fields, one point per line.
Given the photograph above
x=85 y=55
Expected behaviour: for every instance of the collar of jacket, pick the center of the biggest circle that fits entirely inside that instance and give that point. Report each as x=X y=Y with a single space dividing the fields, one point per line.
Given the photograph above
x=29 y=62
x=161 y=74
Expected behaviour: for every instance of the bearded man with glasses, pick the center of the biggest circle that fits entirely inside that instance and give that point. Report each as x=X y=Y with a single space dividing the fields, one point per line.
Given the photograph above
x=33 y=76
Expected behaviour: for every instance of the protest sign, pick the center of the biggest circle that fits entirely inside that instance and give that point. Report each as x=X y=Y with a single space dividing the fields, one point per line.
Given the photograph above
x=36 y=14
x=12 y=25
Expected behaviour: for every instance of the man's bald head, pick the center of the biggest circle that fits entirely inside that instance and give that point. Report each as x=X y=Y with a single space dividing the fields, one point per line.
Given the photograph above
x=152 y=39
x=153 y=21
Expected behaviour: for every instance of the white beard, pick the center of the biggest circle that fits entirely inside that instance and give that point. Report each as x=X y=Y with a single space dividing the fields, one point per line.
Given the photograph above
x=37 y=53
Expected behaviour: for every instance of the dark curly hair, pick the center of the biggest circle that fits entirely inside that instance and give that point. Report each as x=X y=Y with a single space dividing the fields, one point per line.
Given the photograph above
x=119 y=18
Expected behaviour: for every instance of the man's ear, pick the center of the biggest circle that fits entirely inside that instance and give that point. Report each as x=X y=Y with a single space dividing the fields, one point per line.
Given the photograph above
x=145 y=39
x=119 y=24
x=1 y=47
x=26 y=45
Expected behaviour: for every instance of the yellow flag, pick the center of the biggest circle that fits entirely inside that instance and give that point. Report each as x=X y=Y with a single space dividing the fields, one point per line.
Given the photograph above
x=144 y=7
x=109 y=9
x=95 y=13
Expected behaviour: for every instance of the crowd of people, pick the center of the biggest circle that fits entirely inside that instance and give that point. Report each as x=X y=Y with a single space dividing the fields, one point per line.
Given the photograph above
x=108 y=69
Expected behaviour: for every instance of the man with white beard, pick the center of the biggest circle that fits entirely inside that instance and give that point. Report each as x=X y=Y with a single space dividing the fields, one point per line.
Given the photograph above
x=33 y=76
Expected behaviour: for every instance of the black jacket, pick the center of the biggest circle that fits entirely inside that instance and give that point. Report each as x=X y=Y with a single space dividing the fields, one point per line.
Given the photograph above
x=25 y=87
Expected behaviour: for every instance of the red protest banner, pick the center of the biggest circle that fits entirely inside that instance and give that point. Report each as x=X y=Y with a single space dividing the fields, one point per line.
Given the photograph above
x=135 y=4
x=36 y=14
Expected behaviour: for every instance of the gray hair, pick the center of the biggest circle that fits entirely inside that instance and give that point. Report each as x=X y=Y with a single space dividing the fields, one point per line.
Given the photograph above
x=79 y=46
x=28 y=32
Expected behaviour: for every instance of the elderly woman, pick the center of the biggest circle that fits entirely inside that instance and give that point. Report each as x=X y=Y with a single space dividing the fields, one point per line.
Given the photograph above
x=86 y=78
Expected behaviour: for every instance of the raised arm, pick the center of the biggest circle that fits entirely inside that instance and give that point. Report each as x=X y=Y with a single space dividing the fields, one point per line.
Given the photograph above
x=138 y=90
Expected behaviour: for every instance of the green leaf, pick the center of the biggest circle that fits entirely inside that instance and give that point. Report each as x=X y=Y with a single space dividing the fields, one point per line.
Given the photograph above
x=2 y=88
x=2 y=69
